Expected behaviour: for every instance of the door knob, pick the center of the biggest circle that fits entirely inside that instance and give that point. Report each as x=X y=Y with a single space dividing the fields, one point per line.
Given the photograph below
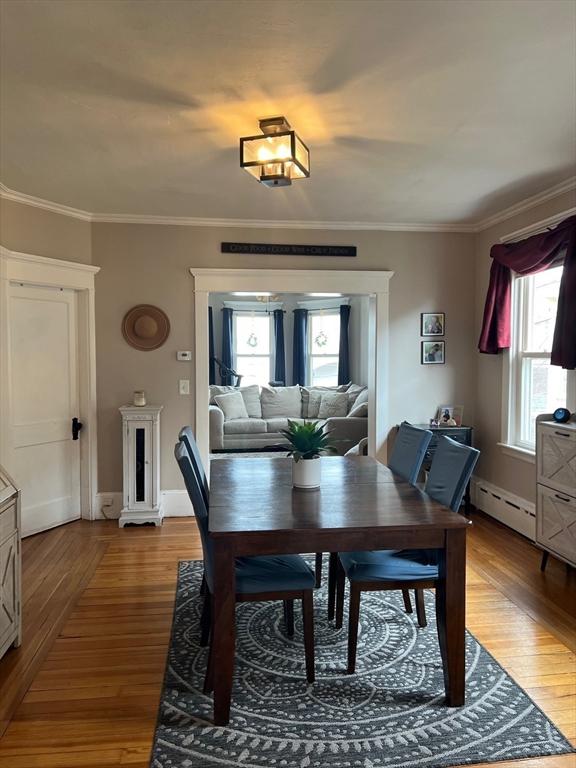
x=76 y=427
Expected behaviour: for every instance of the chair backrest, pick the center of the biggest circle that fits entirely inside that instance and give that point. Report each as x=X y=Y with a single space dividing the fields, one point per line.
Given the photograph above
x=186 y=436
x=451 y=469
x=199 y=504
x=409 y=451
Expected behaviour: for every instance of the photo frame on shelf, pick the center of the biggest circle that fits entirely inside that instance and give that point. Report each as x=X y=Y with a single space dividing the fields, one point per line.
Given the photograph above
x=432 y=352
x=432 y=324
x=450 y=415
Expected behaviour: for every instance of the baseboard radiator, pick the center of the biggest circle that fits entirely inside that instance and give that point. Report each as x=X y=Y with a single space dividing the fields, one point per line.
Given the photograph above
x=512 y=510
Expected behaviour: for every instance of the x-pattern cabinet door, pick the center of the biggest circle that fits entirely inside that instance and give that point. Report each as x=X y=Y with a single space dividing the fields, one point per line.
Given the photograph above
x=8 y=586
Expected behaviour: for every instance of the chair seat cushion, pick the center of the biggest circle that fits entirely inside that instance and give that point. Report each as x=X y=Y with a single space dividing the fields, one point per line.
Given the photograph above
x=388 y=565
x=272 y=573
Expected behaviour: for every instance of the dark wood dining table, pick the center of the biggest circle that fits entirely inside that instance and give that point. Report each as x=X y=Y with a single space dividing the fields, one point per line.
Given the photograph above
x=361 y=505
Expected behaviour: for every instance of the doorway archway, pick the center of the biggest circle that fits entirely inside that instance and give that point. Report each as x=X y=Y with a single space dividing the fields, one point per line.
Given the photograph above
x=375 y=284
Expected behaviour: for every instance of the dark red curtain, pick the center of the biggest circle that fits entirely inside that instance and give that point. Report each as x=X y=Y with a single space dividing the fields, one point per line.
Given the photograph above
x=527 y=257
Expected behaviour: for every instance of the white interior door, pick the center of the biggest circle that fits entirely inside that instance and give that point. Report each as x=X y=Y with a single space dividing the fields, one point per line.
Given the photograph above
x=43 y=380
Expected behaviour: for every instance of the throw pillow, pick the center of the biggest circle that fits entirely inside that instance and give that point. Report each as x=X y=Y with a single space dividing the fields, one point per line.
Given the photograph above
x=357 y=397
x=233 y=406
x=281 y=402
x=251 y=397
x=359 y=410
x=333 y=404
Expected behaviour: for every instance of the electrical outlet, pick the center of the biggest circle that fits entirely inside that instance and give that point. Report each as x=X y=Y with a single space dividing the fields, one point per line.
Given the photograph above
x=184 y=386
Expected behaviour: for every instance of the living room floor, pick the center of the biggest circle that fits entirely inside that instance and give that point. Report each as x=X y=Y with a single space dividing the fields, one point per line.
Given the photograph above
x=83 y=690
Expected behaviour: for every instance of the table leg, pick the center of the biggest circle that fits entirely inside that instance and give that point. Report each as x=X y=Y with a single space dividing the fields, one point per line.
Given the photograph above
x=224 y=624
x=450 y=614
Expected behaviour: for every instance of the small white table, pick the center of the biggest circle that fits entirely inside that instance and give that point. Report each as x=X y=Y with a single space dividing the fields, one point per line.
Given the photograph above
x=141 y=438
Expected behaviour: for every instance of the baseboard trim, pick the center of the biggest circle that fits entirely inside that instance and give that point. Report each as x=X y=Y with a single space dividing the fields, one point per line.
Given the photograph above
x=512 y=510
x=174 y=504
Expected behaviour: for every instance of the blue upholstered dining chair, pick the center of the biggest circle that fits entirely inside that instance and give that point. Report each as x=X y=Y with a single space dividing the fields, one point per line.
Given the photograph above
x=406 y=460
x=186 y=436
x=451 y=469
x=258 y=579
x=409 y=451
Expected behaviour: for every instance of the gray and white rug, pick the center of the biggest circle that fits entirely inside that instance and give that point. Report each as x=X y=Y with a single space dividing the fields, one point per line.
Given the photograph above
x=388 y=715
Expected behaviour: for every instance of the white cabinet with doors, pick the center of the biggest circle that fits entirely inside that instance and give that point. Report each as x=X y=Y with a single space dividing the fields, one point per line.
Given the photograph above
x=141 y=439
x=10 y=600
x=556 y=491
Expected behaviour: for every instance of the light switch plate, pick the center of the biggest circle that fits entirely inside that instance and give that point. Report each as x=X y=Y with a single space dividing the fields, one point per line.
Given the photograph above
x=184 y=355
x=184 y=386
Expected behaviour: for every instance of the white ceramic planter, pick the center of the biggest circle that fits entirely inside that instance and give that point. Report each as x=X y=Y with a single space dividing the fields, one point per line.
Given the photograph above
x=306 y=473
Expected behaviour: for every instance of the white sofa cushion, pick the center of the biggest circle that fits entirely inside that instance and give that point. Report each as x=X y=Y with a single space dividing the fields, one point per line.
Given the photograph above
x=359 y=409
x=275 y=425
x=245 y=427
x=232 y=405
x=281 y=402
x=356 y=396
x=333 y=404
x=251 y=395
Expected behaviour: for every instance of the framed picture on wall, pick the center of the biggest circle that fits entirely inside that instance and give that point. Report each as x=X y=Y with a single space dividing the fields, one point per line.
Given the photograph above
x=432 y=324
x=432 y=352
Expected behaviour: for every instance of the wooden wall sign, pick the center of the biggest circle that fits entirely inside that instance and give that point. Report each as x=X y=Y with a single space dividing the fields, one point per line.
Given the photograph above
x=277 y=249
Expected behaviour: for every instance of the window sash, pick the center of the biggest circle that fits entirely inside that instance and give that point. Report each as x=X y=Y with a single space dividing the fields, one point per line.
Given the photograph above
x=238 y=356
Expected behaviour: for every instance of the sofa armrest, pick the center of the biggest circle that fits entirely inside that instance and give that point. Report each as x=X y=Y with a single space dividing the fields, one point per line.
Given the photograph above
x=346 y=431
x=216 y=420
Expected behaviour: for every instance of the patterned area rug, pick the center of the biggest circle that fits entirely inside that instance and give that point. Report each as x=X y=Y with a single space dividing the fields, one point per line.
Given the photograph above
x=390 y=714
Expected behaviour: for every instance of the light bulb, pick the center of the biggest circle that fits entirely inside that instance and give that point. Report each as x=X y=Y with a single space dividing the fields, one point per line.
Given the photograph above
x=282 y=151
x=264 y=154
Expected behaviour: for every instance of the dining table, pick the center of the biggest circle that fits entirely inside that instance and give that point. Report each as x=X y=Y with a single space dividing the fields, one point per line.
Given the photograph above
x=360 y=505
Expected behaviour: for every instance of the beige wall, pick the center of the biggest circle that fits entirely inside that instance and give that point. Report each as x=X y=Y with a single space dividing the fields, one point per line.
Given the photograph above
x=27 y=229
x=150 y=264
x=444 y=272
x=496 y=467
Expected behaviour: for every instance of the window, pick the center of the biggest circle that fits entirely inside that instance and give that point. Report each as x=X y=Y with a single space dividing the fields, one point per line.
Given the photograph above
x=252 y=352
x=323 y=347
x=535 y=386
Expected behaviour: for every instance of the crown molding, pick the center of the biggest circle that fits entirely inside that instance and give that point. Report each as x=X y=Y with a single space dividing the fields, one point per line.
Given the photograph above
x=538 y=226
x=525 y=205
x=46 y=205
x=191 y=221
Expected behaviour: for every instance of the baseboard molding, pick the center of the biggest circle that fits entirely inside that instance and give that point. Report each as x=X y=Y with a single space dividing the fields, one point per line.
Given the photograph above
x=512 y=510
x=108 y=505
x=174 y=504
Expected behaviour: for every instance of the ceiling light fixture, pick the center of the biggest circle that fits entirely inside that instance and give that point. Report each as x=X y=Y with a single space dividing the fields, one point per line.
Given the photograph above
x=276 y=157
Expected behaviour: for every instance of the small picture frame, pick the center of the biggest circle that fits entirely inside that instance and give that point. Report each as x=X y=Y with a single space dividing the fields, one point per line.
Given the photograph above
x=432 y=324
x=432 y=352
x=450 y=415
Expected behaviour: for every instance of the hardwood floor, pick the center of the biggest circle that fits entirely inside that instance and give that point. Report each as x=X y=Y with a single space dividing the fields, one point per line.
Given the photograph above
x=83 y=690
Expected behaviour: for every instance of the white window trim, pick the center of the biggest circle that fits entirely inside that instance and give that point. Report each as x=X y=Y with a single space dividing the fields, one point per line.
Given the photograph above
x=511 y=369
x=271 y=355
x=335 y=311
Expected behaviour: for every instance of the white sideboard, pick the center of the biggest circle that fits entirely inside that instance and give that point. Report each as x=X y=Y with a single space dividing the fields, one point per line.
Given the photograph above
x=556 y=490
x=10 y=598
x=141 y=440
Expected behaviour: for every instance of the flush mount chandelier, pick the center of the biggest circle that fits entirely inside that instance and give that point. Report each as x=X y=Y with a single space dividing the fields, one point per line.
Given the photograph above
x=276 y=157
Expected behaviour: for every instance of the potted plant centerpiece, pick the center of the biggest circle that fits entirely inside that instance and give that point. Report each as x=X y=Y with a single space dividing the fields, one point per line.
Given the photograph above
x=308 y=442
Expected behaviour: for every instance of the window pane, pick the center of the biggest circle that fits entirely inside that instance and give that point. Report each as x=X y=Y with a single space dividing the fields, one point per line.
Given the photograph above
x=543 y=302
x=324 y=371
x=324 y=334
x=254 y=370
x=544 y=390
x=252 y=335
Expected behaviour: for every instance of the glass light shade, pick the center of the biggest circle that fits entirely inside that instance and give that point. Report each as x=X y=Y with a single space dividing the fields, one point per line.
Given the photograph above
x=275 y=159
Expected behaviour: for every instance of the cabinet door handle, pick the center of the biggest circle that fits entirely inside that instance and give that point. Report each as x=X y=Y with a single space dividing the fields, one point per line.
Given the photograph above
x=561 y=434
x=562 y=498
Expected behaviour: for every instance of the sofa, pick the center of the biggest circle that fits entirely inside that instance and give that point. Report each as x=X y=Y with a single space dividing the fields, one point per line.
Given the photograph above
x=250 y=418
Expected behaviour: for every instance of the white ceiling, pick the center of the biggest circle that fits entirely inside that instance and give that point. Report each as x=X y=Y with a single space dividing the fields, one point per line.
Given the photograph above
x=427 y=111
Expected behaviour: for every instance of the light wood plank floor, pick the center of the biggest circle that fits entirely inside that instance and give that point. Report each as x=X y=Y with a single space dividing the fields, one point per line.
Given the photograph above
x=83 y=690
